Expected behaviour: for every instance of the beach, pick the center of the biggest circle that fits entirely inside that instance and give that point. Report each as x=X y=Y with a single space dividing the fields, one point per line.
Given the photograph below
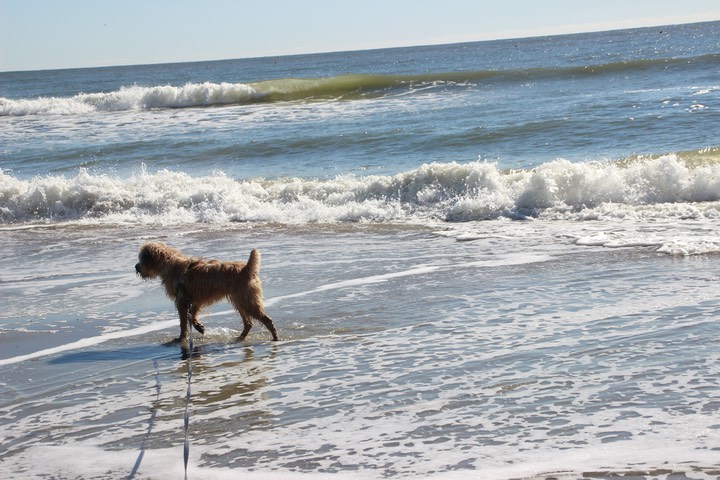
x=441 y=359
x=466 y=282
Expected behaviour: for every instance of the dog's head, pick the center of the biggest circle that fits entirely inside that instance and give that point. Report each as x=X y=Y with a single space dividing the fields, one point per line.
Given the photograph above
x=151 y=259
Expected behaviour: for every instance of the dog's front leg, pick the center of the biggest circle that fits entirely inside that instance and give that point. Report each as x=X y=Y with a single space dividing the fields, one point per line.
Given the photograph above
x=247 y=325
x=182 y=304
x=194 y=309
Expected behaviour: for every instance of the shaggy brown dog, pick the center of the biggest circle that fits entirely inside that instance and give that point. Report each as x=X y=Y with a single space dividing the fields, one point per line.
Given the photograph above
x=194 y=283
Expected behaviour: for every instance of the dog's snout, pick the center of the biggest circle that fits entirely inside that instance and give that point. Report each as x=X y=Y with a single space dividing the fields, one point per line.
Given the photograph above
x=137 y=268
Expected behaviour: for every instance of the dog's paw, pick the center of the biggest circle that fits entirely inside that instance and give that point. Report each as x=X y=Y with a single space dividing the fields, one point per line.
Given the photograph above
x=199 y=327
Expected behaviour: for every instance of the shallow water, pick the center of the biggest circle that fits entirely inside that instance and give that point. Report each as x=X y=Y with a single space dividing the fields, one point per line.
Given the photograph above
x=403 y=354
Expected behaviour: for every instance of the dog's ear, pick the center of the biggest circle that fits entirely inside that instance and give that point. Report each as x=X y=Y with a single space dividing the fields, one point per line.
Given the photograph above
x=156 y=253
x=148 y=252
x=144 y=256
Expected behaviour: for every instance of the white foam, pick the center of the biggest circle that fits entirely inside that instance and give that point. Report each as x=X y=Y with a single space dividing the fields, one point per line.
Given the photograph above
x=91 y=461
x=646 y=191
x=134 y=98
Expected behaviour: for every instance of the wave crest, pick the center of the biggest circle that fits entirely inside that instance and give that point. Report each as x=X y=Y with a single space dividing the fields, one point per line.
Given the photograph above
x=307 y=89
x=664 y=187
x=134 y=98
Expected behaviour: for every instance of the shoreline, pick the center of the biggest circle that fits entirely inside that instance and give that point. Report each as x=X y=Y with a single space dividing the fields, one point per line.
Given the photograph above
x=433 y=355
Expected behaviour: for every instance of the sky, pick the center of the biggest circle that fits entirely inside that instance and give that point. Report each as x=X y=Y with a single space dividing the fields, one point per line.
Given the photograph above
x=51 y=34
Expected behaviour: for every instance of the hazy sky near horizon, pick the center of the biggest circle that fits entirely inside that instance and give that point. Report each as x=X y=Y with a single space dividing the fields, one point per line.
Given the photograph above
x=47 y=34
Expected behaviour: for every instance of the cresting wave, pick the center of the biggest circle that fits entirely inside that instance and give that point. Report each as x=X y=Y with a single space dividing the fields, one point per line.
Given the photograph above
x=205 y=94
x=667 y=187
x=133 y=98
x=343 y=87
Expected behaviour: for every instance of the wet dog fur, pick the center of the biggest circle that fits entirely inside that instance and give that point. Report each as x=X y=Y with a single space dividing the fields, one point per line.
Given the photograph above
x=194 y=283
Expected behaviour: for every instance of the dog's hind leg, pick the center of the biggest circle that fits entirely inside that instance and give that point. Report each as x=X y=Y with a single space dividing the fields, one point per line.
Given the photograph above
x=267 y=321
x=250 y=308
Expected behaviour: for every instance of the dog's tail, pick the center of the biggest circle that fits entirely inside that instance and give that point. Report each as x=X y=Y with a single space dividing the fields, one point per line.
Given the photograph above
x=253 y=263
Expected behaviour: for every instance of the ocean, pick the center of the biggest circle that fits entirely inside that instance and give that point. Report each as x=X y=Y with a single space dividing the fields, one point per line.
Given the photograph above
x=492 y=260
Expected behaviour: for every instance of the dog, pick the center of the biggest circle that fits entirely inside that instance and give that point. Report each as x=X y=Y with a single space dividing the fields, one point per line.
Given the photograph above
x=194 y=283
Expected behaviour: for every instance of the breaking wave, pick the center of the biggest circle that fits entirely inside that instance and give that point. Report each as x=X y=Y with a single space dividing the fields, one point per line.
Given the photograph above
x=643 y=188
x=132 y=98
x=306 y=89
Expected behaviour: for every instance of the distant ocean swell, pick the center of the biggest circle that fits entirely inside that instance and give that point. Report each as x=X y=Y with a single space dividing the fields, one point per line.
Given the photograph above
x=343 y=87
x=660 y=188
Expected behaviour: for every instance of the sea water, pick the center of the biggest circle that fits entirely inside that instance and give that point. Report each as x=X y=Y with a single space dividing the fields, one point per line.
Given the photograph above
x=484 y=260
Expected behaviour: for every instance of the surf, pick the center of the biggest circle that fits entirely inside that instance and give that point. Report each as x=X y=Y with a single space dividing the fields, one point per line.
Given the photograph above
x=653 y=188
x=452 y=192
x=344 y=87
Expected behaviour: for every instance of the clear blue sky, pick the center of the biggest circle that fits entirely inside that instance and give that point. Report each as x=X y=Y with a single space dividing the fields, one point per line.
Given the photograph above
x=47 y=34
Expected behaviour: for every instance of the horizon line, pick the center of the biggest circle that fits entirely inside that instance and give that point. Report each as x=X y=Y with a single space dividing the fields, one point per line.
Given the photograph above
x=438 y=41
